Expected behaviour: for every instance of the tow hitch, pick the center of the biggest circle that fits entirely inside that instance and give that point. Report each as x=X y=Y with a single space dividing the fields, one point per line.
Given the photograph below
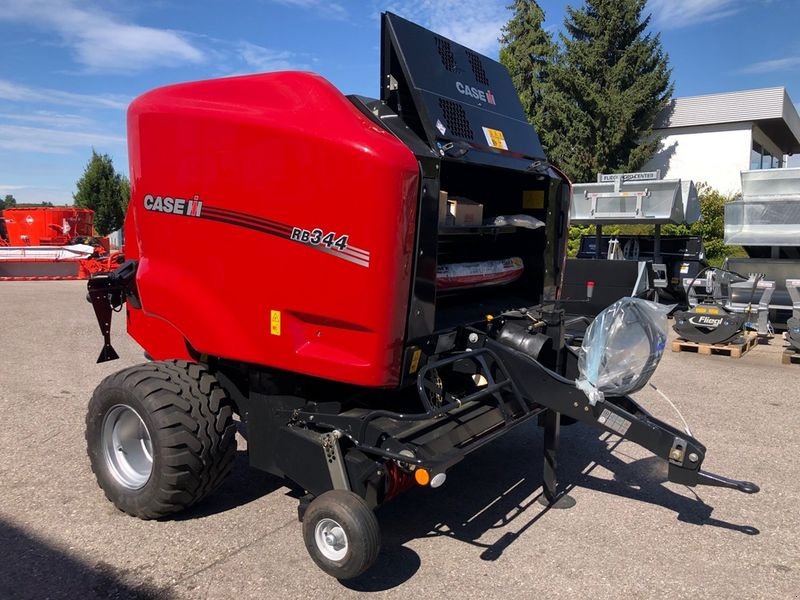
x=622 y=416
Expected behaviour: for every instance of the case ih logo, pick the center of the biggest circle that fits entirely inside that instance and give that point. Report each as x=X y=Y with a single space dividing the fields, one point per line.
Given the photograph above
x=474 y=92
x=176 y=206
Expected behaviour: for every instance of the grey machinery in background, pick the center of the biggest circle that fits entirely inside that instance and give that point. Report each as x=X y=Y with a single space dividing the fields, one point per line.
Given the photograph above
x=610 y=267
x=766 y=222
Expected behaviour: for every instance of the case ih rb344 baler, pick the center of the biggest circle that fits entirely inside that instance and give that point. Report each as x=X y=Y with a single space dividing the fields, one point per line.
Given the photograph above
x=316 y=306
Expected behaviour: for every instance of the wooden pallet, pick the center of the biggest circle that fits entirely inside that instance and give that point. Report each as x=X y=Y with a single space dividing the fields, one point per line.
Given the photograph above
x=733 y=350
x=790 y=356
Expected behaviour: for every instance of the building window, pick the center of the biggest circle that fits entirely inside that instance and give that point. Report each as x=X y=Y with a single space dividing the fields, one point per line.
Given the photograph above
x=755 y=156
x=761 y=158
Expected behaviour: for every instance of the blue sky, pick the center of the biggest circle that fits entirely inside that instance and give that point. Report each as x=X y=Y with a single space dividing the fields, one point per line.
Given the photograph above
x=68 y=68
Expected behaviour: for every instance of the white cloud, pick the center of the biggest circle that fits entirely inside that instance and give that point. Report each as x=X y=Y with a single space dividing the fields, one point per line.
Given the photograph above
x=17 y=92
x=771 y=66
x=50 y=119
x=51 y=141
x=323 y=8
x=676 y=14
x=476 y=24
x=101 y=41
x=265 y=59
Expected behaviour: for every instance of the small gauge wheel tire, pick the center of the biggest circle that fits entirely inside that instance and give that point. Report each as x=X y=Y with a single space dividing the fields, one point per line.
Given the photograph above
x=341 y=534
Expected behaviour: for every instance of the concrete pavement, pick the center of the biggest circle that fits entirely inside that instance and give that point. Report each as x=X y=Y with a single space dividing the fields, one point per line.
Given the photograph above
x=481 y=535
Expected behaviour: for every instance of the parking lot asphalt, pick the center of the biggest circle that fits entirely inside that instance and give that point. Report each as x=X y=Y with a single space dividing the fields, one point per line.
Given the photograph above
x=481 y=535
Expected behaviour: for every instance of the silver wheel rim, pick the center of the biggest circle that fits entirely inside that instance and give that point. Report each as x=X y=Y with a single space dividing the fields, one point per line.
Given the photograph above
x=331 y=539
x=127 y=447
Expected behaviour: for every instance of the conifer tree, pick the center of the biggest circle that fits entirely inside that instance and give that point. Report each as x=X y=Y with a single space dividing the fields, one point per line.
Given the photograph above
x=527 y=51
x=605 y=91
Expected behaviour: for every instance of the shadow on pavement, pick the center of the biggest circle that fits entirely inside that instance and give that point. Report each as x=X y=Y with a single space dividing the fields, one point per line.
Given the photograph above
x=501 y=484
x=31 y=568
x=243 y=485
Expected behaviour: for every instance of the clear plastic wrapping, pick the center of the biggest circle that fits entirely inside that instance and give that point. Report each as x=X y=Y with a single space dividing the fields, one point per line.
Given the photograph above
x=622 y=348
x=525 y=221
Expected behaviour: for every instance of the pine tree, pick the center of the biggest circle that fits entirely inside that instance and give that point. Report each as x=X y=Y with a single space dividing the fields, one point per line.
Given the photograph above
x=104 y=191
x=527 y=51
x=607 y=88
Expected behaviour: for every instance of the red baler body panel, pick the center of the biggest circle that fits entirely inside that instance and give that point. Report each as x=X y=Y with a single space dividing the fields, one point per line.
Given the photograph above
x=233 y=181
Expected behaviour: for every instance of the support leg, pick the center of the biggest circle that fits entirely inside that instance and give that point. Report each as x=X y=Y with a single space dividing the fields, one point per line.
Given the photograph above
x=552 y=434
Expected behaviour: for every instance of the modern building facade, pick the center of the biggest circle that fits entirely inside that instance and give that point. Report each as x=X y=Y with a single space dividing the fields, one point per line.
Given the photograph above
x=713 y=138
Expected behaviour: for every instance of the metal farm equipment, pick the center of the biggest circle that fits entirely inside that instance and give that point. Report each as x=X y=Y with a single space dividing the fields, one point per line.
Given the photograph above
x=381 y=329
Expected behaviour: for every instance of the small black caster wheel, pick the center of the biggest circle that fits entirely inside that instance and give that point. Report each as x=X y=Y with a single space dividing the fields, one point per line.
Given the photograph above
x=341 y=534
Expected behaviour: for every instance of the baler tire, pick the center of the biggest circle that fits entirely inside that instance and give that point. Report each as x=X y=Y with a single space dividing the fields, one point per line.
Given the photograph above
x=362 y=537
x=185 y=421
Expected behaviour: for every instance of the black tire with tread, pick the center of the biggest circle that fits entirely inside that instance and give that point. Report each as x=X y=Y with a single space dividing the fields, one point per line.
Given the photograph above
x=360 y=526
x=190 y=421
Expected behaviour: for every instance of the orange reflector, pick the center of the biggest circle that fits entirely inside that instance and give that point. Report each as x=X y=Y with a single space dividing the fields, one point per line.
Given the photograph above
x=422 y=476
x=489 y=318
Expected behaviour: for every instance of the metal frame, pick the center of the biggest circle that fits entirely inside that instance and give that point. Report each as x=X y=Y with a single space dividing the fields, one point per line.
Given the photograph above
x=793 y=324
x=359 y=446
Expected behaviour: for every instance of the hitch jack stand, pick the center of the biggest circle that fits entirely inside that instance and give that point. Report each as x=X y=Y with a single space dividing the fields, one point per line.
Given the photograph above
x=551 y=497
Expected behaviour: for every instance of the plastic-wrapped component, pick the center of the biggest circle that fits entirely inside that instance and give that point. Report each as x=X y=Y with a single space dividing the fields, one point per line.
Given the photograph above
x=622 y=348
x=525 y=221
x=457 y=276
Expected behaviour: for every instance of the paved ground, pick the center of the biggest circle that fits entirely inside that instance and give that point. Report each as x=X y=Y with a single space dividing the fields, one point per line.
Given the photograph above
x=481 y=535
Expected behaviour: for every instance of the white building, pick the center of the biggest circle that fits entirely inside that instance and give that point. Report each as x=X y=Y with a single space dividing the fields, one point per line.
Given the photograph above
x=712 y=138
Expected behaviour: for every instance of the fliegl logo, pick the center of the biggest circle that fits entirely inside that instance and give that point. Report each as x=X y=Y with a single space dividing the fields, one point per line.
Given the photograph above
x=704 y=321
x=175 y=206
x=473 y=92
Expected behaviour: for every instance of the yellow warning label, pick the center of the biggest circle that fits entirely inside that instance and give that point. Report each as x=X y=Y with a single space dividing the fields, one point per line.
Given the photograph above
x=495 y=138
x=533 y=199
x=415 y=361
x=275 y=322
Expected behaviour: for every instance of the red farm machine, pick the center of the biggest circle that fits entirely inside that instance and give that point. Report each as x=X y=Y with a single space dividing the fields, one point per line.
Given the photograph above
x=399 y=309
x=44 y=243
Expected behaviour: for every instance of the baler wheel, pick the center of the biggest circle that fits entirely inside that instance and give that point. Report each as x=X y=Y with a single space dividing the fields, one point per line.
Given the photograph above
x=341 y=534
x=160 y=437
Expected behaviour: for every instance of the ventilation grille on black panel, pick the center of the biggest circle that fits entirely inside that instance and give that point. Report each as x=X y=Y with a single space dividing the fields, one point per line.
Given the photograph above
x=477 y=68
x=456 y=118
x=446 y=54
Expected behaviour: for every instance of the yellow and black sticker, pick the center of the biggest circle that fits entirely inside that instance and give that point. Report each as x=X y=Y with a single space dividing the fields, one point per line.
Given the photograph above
x=415 y=361
x=533 y=199
x=275 y=322
x=495 y=138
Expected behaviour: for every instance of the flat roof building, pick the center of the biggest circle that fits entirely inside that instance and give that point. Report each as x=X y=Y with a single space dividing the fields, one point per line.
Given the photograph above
x=713 y=138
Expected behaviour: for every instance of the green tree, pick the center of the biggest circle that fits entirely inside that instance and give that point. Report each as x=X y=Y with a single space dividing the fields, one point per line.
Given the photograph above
x=605 y=90
x=105 y=191
x=527 y=51
x=8 y=202
x=710 y=227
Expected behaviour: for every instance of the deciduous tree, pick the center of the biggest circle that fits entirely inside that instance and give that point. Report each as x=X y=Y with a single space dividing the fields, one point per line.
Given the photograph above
x=105 y=191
